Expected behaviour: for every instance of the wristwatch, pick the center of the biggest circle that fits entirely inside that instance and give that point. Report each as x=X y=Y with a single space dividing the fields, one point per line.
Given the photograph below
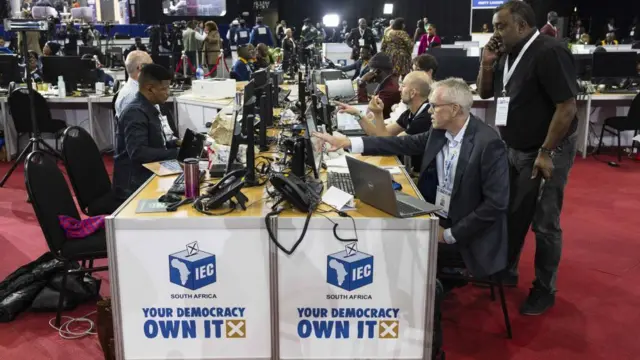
x=549 y=152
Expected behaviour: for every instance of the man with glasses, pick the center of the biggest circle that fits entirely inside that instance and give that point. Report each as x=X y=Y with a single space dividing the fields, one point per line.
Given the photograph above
x=464 y=170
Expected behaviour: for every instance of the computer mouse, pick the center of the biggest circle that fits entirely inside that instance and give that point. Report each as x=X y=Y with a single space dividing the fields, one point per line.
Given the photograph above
x=170 y=198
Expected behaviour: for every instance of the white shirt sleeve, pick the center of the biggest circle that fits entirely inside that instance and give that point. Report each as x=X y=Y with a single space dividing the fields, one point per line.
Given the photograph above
x=200 y=37
x=448 y=237
x=357 y=145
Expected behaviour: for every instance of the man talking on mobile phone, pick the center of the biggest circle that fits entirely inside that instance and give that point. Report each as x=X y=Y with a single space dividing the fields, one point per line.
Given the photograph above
x=532 y=79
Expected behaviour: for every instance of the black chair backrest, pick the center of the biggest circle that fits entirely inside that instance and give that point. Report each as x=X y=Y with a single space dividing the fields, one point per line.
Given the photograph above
x=50 y=197
x=20 y=108
x=116 y=85
x=113 y=104
x=634 y=111
x=85 y=168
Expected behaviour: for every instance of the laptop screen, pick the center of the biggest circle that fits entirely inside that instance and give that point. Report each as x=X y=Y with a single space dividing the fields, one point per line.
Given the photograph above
x=191 y=147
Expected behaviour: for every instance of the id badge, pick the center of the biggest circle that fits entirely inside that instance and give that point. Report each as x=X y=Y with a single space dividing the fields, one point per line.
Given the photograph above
x=502 y=111
x=361 y=41
x=443 y=199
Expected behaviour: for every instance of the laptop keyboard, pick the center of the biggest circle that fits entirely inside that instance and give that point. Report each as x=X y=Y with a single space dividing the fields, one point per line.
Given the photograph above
x=342 y=181
x=171 y=165
x=406 y=209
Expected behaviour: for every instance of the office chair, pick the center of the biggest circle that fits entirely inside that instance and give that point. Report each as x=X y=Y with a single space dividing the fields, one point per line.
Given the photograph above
x=20 y=109
x=87 y=173
x=492 y=281
x=50 y=197
x=616 y=125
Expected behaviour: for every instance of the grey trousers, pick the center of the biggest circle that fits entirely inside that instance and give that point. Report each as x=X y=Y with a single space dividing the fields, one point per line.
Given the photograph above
x=538 y=203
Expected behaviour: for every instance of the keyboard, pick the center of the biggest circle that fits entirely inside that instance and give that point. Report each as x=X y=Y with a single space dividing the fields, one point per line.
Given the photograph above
x=406 y=209
x=178 y=183
x=171 y=165
x=342 y=181
x=618 y=91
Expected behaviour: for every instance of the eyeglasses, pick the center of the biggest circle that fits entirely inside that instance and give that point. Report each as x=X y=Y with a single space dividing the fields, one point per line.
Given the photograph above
x=435 y=106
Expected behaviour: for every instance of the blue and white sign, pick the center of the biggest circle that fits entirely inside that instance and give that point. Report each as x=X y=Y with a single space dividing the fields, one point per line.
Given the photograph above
x=350 y=269
x=209 y=300
x=487 y=4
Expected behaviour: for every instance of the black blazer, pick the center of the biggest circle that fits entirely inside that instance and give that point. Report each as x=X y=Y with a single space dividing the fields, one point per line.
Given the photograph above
x=139 y=140
x=480 y=195
x=353 y=41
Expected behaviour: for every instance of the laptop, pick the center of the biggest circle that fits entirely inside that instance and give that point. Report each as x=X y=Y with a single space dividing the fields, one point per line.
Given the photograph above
x=374 y=186
x=340 y=90
x=191 y=147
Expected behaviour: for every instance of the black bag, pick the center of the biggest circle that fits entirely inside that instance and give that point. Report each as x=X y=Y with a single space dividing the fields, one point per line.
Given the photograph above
x=80 y=289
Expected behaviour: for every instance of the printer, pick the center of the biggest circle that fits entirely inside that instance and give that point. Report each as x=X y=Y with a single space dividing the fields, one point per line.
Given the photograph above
x=214 y=89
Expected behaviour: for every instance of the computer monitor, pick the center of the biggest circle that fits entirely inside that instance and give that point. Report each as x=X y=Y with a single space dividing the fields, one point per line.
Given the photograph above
x=10 y=70
x=67 y=66
x=584 y=64
x=260 y=78
x=614 y=65
x=340 y=89
x=163 y=60
x=446 y=52
x=465 y=67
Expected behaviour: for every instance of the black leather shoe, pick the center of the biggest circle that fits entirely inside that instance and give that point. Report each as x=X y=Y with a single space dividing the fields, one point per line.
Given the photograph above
x=538 y=301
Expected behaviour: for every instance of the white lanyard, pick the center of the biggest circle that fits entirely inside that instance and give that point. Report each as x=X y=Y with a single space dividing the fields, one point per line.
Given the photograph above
x=508 y=72
x=361 y=32
x=448 y=165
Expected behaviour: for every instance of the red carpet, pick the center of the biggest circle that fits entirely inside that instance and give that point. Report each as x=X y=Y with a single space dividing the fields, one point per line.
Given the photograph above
x=597 y=306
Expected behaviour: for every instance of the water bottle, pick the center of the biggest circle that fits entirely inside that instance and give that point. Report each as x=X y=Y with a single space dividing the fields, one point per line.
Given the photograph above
x=199 y=73
x=62 y=92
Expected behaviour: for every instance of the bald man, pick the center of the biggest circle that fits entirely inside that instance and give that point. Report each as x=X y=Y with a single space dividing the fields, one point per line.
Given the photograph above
x=416 y=119
x=361 y=36
x=133 y=64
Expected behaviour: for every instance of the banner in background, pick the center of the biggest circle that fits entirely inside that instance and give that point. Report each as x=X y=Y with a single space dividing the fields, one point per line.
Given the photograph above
x=124 y=13
x=487 y=4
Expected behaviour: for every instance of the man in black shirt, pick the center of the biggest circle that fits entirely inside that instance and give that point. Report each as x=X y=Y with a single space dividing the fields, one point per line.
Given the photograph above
x=532 y=77
x=140 y=137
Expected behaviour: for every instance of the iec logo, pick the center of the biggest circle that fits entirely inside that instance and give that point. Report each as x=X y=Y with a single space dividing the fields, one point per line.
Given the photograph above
x=350 y=269
x=192 y=268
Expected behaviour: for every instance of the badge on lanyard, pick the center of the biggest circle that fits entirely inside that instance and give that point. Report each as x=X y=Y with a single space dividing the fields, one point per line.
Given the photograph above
x=443 y=199
x=361 y=42
x=502 y=106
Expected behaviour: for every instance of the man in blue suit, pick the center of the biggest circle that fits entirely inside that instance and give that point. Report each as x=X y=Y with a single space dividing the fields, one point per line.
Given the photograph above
x=241 y=68
x=261 y=34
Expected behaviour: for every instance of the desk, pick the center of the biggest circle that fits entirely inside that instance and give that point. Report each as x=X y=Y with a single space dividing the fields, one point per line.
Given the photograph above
x=269 y=305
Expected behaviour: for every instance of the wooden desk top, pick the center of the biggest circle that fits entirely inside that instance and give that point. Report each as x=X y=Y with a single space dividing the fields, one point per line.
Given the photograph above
x=259 y=204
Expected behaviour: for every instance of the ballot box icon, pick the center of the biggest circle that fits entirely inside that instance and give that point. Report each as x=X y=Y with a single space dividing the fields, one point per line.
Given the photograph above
x=350 y=269
x=192 y=268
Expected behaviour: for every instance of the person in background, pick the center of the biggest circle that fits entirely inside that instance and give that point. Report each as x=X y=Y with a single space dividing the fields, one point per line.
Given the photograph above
x=211 y=46
x=577 y=30
x=611 y=26
x=137 y=45
x=101 y=75
x=360 y=67
x=417 y=35
x=610 y=39
x=3 y=48
x=241 y=67
x=288 y=49
x=361 y=36
x=75 y=4
x=426 y=63
x=142 y=140
x=33 y=40
x=429 y=40
x=280 y=29
x=261 y=33
x=243 y=33
x=344 y=31
x=252 y=56
x=539 y=128
x=233 y=32
x=416 y=119
x=425 y=20
x=550 y=28
x=585 y=39
x=263 y=58
x=133 y=64
x=388 y=90
x=191 y=40
x=321 y=31
x=485 y=28
x=634 y=30
x=34 y=67
x=399 y=46
x=388 y=28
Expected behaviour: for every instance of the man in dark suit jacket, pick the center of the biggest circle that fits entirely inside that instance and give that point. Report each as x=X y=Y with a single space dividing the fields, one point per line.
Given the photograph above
x=464 y=169
x=361 y=36
x=140 y=137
